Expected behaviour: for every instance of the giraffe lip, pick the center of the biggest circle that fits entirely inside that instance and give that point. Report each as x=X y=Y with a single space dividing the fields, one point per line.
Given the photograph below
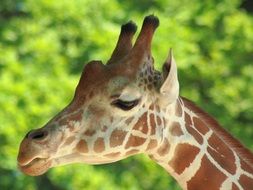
x=30 y=162
x=35 y=167
x=27 y=162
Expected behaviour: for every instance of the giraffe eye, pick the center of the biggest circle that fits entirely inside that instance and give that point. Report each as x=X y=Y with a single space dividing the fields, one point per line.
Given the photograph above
x=125 y=105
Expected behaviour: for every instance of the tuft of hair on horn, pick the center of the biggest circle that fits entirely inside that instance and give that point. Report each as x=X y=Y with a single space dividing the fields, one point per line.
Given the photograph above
x=151 y=20
x=129 y=28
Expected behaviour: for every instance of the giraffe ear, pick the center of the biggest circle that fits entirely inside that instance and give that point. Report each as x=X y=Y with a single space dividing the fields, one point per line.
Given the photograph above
x=170 y=85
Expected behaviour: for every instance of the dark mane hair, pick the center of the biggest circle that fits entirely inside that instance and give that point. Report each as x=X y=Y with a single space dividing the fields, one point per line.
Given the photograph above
x=244 y=153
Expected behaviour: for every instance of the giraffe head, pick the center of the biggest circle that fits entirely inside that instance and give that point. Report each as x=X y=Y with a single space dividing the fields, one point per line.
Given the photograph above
x=111 y=115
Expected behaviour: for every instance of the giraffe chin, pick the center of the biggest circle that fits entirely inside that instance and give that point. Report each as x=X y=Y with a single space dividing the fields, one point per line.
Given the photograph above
x=36 y=167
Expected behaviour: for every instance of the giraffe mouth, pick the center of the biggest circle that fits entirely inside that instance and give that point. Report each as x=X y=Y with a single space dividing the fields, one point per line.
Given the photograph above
x=35 y=167
x=39 y=166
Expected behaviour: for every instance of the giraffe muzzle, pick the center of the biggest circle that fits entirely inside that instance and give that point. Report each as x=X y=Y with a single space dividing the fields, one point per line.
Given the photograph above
x=31 y=160
x=33 y=157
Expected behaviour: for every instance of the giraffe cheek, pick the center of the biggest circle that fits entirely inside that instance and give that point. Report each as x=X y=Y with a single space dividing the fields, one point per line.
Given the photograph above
x=99 y=145
x=117 y=138
x=135 y=141
x=152 y=145
x=113 y=155
x=132 y=152
x=142 y=125
x=82 y=146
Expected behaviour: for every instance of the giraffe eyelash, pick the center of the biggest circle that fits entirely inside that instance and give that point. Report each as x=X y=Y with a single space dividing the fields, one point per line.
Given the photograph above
x=125 y=105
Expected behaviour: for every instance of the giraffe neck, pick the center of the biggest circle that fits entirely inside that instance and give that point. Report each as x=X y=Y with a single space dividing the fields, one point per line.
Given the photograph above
x=199 y=154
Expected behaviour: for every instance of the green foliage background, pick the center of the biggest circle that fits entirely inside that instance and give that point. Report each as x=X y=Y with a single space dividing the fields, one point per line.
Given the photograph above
x=44 y=45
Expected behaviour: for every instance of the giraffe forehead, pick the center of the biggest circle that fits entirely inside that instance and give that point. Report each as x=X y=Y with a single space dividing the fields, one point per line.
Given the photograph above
x=117 y=83
x=123 y=87
x=109 y=76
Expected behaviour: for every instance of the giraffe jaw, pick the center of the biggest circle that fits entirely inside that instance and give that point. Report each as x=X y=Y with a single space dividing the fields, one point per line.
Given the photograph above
x=80 y=158
x=39 y=166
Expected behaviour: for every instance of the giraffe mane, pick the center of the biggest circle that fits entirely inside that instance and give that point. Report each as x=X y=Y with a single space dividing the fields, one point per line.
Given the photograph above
x=222 y=133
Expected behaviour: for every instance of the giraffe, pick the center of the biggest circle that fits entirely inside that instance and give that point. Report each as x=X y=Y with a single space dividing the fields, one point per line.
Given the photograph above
x=125 y=108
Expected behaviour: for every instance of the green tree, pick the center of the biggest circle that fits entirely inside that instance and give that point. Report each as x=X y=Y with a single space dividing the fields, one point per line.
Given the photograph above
x=45 y=43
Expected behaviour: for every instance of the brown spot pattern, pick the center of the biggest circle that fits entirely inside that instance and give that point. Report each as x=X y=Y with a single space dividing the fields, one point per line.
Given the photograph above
x=117 y=137
x=222 y=154
x=151 y=107
x=89 y=132
x=152 y=144
x=208 y=177
x=234 y=187
x=157 y=109
x=246 y=182
x=134 y=141
x=152 y=123
x=141 y=124
x=112 y=155
x=195 y=134
x=222 y=160
x=131 y=152
x=82 y=146
x=72 y=117
x=246 y=167
x=184 y=156
x=69 y=140
x=164 y=149
x=99 y=145
x=179 y=111
x=187 y=118
x=159 y=121
x=175 y=129
x=129 y=120
x=97 y=111
x=150 y=87
x=200 y=125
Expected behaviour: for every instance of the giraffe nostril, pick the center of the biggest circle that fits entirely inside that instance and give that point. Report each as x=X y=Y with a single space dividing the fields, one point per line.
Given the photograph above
x=37 y=134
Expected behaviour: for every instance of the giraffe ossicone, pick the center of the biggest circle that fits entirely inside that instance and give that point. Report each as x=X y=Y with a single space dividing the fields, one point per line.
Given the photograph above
x=126 y=107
